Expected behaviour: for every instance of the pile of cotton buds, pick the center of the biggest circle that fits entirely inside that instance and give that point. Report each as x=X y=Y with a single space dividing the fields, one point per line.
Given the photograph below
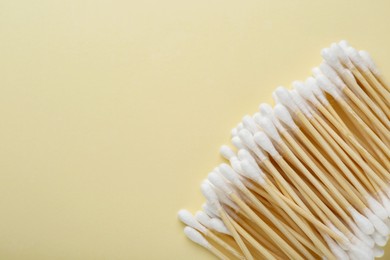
x=309 y=177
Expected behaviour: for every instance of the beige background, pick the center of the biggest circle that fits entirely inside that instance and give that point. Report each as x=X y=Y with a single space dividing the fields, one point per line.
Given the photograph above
x=112 y=112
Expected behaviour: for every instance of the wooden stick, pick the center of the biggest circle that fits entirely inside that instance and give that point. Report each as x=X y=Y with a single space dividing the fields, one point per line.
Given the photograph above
x=332 y=170
x=369 y=89
x=262 y=250
x=217 y=253
x=260 y=223
x=225 y=218
x=368 y=170
x=292 y=214
x=224 y=245
x=296 y=232
x=368 y=130
x=347 y=135
x=368 y=101
x=376 y=85
x=320 y=139
x=256 y=233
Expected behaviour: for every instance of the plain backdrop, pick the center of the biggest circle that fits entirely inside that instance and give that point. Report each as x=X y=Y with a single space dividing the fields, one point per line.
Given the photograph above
x=112 y=112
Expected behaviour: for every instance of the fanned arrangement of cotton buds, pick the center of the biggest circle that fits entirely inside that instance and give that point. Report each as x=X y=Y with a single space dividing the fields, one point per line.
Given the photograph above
x=309 y=177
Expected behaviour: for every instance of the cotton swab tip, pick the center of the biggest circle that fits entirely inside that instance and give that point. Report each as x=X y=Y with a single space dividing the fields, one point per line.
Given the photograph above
x=265 y=109
x=187 y=218
x=236 y=141
x=219 y=226
x=265 y=143
x=369 y=62
x=202 y=218
x=231 y=175
x=249 y=124
x=196 y=237
x=377 y=208
x=251 y=172
x=283 y=115
x=208 y=192
x=284 y=97
x=327 y=86
x=379 y=225
x=331 y=59
x=226 y=152
x=218 y=181
x=268 y=127
x=247 y=139
x=362 y=222
x=356 y=59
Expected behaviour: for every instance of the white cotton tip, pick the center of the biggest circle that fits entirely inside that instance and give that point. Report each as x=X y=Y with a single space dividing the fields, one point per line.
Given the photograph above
x=306 y=92
x=316 y=72
x=331 y=74
x=243 y=154
x=250 y=124
x=284 y=97
x=231 y=175
x=379 y=239
x=203 y=219
x=258 y=118
x=361 y=244
x=331 y=59
x=265 y=109
x=300 y=102
x=226 y=152
x=377 y=208
x=265 y=143
x=366 y=239
x=268 y=127
x=359 y=253
x=379 y=225
x=344 y=44
x=341 y=234
x=349 y=76
x=236 y=141
x=196 y=237
x=275 y=98
x=240 y=126
x=378 y=252
x=366 y=57
x=236 y=165
x=186 y=217
x=247 y=138
x=210 y=210
x=208 y=192
x=218 y=181
x=327 y=86
x=316 y=90
x=223 y=198
x=218 y=225
x=353 y=54
x=385 y=202
x=339 y=52
x=281 y=113
x=234 y=132
x=251 y=172
x=362 y=222
x=338 y=252
x=255 y=166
